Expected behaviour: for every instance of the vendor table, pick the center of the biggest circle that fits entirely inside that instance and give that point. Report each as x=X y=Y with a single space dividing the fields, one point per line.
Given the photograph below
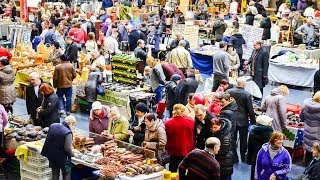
x=311 y=54
x=4 y=28
x=298 y=76
x=201 y=62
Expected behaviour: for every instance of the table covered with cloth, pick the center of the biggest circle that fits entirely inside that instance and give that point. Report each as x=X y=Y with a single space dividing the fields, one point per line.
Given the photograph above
x=292 y=75
x=203 y=63
x=311 y=54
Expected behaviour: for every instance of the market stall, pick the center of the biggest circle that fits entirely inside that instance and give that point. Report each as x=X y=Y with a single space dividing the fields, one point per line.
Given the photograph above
x=310 y=53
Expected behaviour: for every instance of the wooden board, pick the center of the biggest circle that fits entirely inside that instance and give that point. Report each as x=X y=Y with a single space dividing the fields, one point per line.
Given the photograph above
x=250 y=34
x=191 y=34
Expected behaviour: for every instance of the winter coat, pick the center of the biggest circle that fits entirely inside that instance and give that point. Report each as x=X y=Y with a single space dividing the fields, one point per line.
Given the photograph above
x=189 y=85
x=170 y=69
x=237 y=41
x=230 y=112
x=133 y=36
x=94 y=79
x=35 y=42
x=261 y=66
x=119 y=128
x=310 y=115
x=172 y=95
x=144 y=34
x=225 y=155
x=96 y=124
x=245 y=108
x=219 y=26
x=179 y=131
x=72 y=52
x=155 y=137
x=157 y=77
x=313 y=169
x=122 y=32
x=7 y=89
x=33 y=101
x=274 y=106
x=200 y=139
x=190 y=110
x=4 y=118
x=199 y=164
x=63 y=75
x=280 y=165
x=54 y=57
x=249 y=19
x=316 y=84
x=266 y=25
x=50 y=37
x=257 y=137
x=260 y=8
x=49 y=112
x=139 y=135
x=234 y=61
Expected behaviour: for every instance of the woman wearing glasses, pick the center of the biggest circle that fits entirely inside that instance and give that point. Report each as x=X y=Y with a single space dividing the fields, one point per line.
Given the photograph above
x=273 y=160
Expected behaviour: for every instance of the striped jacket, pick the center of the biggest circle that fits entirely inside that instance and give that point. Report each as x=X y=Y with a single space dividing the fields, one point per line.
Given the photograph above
x=199 y=164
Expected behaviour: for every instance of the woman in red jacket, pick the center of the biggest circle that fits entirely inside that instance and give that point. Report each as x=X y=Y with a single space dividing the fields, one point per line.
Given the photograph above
x=179 y=130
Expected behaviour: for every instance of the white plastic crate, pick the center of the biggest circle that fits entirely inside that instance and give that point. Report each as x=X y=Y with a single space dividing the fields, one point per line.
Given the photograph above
x=34 y=154
x=35 y=176
x=38 y=162
x=33 y=168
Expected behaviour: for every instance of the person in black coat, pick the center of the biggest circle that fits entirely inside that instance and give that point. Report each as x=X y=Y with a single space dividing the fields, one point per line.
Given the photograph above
x=48 y=113
x=221 y=129
x=202 y=125
x=137 y=126
x=316 y=84
x=245 y=109
x=143 y=32
x=133 y=37
x=312 y=171
x=249 y=17
x=260 y=7
x=95 y=77
x=259 y=61
x=266 y=25
x=172 y=92
x=174 y=43
x=34 y=97
x=71 y=51
x=189 y=85
x=259 y=135
x=237 y=41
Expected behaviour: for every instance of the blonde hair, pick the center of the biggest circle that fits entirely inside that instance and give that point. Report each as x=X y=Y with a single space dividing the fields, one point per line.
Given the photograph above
x=199 y=107
x=178 y=110
x=70 y=119
x=316 y=147
x=151 y=61
x=284 y=89
x=316 y=97
x=229 y=31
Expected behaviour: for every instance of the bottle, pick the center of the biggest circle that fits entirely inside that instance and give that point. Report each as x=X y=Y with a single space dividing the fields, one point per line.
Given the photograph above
x=10 y=117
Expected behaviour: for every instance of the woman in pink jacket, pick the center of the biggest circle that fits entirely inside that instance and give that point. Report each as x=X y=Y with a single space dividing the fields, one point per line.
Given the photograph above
x=3 y=123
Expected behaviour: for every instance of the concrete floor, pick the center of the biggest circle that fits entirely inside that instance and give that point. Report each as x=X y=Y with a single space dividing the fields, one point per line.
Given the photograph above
x=241 y=170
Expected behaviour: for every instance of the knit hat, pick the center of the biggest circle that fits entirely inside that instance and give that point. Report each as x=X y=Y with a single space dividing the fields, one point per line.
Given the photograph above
x=96 y=105
x=63 y=57
x=141 y=107
x=264 y=120
x=175 y=77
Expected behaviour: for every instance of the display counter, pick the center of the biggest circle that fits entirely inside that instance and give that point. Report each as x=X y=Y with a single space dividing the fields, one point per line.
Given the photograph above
x=292 y=75
x=311 y=54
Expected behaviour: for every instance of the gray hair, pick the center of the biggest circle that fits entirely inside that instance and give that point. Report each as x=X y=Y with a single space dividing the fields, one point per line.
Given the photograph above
x=35 y=75
x=241 y=81
x=199 y=107
x=182 y=43
x=115 y=110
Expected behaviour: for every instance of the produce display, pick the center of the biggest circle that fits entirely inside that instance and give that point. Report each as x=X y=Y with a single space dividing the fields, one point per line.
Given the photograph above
x=119 y=87
x=291 y=59
x=124 y=68
x=44 y=70
x=22 y=132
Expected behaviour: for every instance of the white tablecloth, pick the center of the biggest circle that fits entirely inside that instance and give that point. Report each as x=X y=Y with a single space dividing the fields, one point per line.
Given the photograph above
x=311 y=54
x=251 y=87
x=297 y=76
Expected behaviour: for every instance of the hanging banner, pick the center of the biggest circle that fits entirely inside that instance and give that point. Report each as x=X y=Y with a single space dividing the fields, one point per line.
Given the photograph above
x=250 y=34
x=23 y=10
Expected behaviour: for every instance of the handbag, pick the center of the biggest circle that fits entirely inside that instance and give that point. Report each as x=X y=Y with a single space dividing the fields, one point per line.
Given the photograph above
x=163 y=158
x=101 y=90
